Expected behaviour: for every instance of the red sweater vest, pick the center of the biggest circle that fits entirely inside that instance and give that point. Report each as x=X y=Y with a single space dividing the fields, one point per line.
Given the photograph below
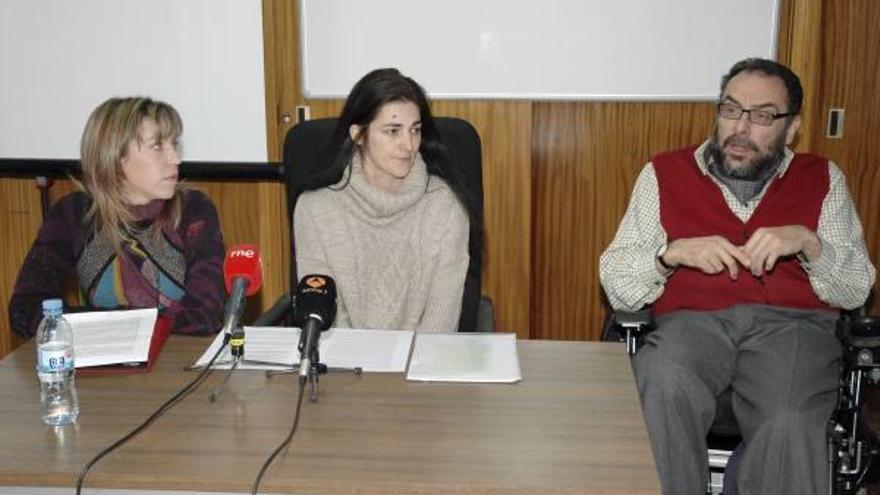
x=692 y=205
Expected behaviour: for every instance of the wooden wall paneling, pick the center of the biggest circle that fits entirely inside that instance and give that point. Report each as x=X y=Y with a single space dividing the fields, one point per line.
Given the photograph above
x=564 y=226
x=851 y=80
x=784 y=34
x=272 y=70
x=505 y=128
x=19 y=220
x=586 y=157
x=281 y=52
x=272 y=225
x=800 y=43
x=274 y=241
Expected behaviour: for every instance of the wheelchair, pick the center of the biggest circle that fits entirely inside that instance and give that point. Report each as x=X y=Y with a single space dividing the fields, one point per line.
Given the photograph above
x=853 y=451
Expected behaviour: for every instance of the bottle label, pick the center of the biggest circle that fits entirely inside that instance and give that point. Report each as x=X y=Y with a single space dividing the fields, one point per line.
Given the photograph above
x=55 y=360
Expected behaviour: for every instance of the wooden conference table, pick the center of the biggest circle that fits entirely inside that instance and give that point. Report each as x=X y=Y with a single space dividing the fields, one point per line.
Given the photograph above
x=572 y=425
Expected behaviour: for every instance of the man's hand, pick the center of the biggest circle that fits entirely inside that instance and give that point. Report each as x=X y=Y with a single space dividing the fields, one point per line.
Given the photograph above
x=768 y=244
x=708 y=254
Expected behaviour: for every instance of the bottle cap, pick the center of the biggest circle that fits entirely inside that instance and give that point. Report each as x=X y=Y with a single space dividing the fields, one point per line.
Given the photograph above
x=54 y=305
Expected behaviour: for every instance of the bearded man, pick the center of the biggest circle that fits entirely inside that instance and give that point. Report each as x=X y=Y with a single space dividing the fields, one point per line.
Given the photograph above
x=746 y=252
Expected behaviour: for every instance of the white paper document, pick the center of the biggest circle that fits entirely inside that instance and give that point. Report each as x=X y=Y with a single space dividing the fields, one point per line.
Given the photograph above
x=276 y=347
x=465 y=357
x=112 y=337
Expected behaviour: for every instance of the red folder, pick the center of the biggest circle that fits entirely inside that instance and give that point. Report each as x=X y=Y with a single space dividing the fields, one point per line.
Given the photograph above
x=160 y=333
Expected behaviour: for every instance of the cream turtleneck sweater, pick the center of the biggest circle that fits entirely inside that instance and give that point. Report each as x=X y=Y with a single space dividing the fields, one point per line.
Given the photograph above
x=399 y=259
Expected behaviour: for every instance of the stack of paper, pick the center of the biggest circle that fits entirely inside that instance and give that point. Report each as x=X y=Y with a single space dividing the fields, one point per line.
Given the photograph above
x=112 y=337
x=462 y=357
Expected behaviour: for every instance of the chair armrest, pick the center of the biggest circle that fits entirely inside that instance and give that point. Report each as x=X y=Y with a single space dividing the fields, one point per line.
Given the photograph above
x=860 y=336
x=628 y=326
x=639 y=320
x=865 y=327
x=858 y=330
x=276 y=314
x=486 y=315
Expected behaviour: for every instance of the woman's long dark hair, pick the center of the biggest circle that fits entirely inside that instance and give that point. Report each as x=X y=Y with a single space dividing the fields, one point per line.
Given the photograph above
x=374 y=90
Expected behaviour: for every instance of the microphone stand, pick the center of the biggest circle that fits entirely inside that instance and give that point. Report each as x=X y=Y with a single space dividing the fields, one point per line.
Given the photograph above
x=232 y=327
x=314 y=369
x=314 y=308
x=236 y=351
x=236 y=347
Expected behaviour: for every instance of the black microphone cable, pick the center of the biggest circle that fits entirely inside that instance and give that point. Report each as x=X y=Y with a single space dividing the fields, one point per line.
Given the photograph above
x=286 y=442
x=315 y=300
x=153 y=417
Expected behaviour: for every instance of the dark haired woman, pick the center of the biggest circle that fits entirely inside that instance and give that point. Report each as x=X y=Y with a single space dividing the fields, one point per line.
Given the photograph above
x=389 y=219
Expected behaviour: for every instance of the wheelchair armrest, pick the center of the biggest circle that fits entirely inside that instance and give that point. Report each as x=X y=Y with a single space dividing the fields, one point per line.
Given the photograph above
x=276 y=314
x=641 y=320
x=486 y=315
x=860 y=336
x=630 y=327
x=858 y=330
x=865 y=326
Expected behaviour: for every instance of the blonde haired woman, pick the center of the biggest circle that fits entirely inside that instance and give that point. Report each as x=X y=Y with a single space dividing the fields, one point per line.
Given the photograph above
x=135 y=237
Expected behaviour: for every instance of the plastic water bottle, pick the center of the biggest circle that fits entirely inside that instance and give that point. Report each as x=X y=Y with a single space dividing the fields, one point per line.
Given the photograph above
x=55 y=366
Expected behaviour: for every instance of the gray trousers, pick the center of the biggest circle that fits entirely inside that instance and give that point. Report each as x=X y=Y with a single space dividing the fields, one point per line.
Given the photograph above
x=783 y=367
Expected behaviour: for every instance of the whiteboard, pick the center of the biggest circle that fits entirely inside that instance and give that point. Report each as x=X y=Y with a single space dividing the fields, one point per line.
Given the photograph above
x=61 y=58
x=535 y=49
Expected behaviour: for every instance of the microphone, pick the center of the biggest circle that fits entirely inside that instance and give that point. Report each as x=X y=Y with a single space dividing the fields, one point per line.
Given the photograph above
x=314 y=312
x=243 y=275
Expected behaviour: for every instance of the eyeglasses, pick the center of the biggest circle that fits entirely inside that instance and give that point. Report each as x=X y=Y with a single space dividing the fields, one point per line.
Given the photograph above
x=760 y=117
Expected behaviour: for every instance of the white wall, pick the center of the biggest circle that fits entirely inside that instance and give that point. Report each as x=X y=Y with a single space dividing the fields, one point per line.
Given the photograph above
x=60 y=58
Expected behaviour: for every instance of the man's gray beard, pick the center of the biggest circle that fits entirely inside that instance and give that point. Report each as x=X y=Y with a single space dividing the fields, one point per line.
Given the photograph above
x=751 y=171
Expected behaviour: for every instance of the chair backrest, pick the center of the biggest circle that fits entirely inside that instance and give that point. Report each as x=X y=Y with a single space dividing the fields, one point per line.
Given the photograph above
x=304 y=151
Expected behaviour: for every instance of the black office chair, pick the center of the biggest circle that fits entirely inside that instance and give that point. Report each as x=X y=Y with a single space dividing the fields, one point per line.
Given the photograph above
x=304 y=151
x=853 y=451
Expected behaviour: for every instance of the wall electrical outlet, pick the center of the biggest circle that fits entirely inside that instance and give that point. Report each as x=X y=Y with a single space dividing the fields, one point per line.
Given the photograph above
x=834 y=130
